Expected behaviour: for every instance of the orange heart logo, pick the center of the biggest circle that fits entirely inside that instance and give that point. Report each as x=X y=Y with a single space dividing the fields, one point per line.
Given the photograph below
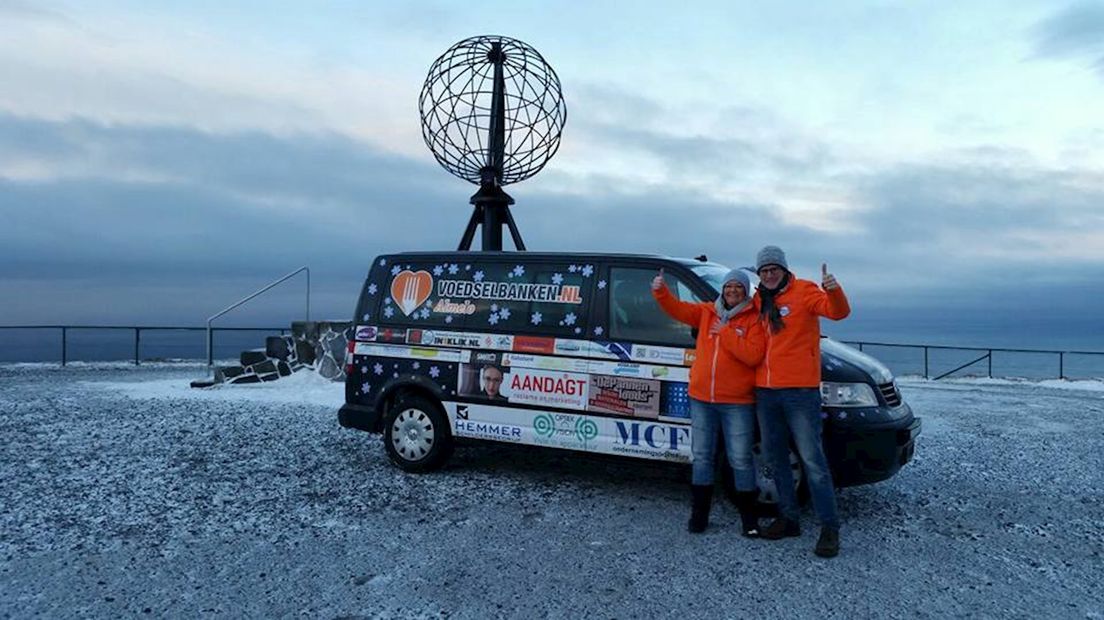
x=410 y=289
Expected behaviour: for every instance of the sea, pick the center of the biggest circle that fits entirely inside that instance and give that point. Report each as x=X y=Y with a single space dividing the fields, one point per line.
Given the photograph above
x=913 y=344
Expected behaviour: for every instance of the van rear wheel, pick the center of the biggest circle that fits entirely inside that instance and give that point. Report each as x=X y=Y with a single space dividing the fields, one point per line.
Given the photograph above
x=416 y=434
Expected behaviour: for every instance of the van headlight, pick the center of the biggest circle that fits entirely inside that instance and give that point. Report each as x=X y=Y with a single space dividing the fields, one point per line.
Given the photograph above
x=847 y=395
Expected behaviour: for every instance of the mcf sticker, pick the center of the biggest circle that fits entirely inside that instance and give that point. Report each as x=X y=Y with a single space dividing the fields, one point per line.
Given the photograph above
x=410 y=290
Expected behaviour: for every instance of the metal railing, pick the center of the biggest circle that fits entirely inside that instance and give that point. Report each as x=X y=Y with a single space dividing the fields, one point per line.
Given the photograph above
x=210 y=319
x=987 y=355
x=65 y=329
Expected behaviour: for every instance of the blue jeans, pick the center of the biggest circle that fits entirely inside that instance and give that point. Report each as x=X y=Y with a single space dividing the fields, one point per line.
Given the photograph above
x=737 y=423
x=795 y=412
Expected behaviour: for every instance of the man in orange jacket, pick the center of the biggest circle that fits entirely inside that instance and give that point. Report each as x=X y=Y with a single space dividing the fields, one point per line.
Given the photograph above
x=722 y=392
x=788 y=389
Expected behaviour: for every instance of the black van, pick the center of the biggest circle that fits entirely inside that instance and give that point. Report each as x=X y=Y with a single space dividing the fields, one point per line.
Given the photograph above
x=570 y=351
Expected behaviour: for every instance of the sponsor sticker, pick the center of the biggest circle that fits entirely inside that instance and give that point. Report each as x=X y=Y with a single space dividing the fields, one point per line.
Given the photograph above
x=659 y=355
x=534 y=344
x=486 y=430
x=564 y=390
x=565 y=430
x=366 y=333
x=386 y=350
x=624 y=396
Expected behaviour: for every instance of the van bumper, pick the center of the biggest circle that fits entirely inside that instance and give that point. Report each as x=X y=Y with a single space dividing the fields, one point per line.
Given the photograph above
x=863 y=454
x=359 y=417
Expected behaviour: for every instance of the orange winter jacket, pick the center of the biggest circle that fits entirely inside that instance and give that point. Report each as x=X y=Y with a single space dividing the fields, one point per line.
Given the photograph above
x=724 y=366
x=792 y=359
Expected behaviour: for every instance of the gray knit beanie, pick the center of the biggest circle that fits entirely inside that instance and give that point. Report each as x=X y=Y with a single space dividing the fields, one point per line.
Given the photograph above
x=771 y=255
x=738 y=275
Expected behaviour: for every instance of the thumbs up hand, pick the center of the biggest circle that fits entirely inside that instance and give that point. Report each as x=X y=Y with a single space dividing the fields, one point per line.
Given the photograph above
x=827 y=280
x=657 y=283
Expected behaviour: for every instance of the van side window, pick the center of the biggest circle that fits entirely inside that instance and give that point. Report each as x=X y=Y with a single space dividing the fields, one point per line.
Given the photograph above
x=634 y=313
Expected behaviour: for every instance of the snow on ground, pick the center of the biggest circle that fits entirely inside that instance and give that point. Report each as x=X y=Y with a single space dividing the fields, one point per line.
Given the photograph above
x=126 y=492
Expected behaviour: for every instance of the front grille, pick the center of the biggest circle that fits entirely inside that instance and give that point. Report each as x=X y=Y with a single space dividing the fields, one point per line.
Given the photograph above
x=890 y=394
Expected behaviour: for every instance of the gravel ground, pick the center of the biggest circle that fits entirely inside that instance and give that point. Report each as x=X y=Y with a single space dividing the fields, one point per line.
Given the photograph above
x=120 y=502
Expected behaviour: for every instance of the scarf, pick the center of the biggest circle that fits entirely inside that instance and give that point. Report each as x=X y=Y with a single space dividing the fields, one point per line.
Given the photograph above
x=726 y=314
x=768 y=309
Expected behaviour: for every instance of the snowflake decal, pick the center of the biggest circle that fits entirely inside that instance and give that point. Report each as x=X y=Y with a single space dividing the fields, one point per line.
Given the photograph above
x=572 y=268
x=372 y=288
x=365 y=317
x=383 y=261
x=395 y=270
x=601 y=284
x=364 y=389
x=587 y=271
x=387 y=301
x=467 y=267
x=518 y=271
x=578 y=330
x=448 y=319
x=416 y=365
x=454 y=269
x=438 y=270
x=494 y=307
x=388 y=312
x=364 y=370
x=395 y=375
x=504 y=313
x=569 y=319
x=378 y=368
x=425 y=313
x=493 y=319
x=536 y=318
x=477 y=276
x=598 y=330
x=557 y=278
x=434 y=372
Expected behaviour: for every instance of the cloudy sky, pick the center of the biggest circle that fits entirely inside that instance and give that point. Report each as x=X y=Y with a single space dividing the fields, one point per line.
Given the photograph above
x=159 y=160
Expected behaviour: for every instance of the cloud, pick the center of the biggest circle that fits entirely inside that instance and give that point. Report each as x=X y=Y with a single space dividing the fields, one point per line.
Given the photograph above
x=178 y=221
x=1076 y=31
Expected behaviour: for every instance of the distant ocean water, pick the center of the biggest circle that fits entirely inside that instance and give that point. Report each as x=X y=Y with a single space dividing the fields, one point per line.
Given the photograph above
x=1083 y=334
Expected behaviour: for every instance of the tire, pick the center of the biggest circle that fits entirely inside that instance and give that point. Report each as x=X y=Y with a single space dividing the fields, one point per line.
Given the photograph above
x=416 y=434
x=764 y=478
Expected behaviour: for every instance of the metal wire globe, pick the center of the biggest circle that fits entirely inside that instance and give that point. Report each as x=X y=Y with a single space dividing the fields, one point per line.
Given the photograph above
x=456 y=109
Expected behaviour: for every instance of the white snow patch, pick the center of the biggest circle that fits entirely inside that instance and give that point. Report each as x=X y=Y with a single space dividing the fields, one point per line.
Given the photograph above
x=302 y=387
x=1083 y=385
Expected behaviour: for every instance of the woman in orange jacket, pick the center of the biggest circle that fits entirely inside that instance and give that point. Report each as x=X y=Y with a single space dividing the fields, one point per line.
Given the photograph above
x=730 y=345
x=788 y=389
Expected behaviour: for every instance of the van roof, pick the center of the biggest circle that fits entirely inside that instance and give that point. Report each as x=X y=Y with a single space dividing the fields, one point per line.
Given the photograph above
x=553 y=255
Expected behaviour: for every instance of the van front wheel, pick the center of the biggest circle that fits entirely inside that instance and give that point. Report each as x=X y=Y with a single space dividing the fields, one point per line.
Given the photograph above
x=416 y=434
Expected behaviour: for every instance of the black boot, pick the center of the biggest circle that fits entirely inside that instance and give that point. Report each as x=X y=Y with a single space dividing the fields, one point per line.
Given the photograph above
x=781 y=528
x=828 y=544
x=702 y=499
x=747 y=502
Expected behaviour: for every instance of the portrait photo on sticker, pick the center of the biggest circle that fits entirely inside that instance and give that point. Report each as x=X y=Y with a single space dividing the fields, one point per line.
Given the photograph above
x=487 y=378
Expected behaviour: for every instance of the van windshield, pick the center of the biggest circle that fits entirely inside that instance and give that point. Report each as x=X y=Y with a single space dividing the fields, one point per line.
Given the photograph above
x=714 y=273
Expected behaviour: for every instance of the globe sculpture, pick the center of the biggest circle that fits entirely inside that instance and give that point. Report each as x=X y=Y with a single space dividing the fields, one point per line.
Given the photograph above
x=492 y=114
